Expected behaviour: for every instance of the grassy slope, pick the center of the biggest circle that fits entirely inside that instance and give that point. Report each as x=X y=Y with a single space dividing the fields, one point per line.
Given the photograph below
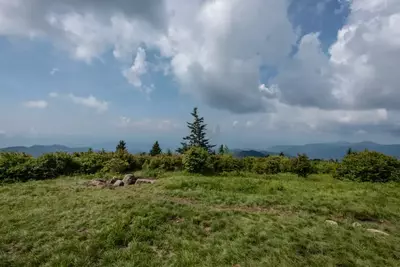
x=200 y=221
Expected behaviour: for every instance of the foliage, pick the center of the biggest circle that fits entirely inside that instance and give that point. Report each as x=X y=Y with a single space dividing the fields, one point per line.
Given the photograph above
x=197 y=136
x=226 y=163
x=155 y=150
x=301 y=165
x=197 y=160
x=121 y=147
x=163 y=162
x=269 y=165
x=369 y=166
x=115 y=165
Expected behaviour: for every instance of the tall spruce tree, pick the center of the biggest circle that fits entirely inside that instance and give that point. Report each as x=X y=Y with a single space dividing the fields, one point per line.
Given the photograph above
x=197 y=136
x=121 y=147
x=155 y=150
x=221 y=150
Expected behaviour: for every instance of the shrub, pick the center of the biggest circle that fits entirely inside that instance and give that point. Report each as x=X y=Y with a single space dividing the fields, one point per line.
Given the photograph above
x=15 y=167
x=197 y=160
x=91 y=163
x=53 y=165
x=369 y=166
x=226 y=163
x=285 y=164
x=324 y=167
x=115 y=165
x=269 y=165
x=301 y=165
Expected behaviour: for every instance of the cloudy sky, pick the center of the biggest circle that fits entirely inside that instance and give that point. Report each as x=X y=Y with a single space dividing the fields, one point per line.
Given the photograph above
x=262 y=72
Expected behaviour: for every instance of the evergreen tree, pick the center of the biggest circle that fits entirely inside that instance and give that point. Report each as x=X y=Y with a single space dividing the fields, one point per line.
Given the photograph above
x=169 y=152
x=155 y=150
x=121 y=147
x=349 y=151
x=221 y=150
x=281 y=154
x=197 y=136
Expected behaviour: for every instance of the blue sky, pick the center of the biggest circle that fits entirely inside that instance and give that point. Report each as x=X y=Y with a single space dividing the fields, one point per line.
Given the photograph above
x=261 y=72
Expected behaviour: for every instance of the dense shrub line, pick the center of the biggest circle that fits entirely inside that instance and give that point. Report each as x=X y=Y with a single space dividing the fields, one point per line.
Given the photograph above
x=358 y=166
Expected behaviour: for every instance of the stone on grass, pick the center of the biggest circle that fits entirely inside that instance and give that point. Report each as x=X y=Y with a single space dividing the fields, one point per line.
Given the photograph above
x=356 y=224
x=145 y=181
x=97 y=182
x=129 y=179
x=330 y=222
x=375 y=231
x=118 y=183
x=113 y=180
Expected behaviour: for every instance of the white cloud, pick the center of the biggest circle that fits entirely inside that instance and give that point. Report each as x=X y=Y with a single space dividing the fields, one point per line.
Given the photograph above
x=90 y=102
x=235 y=123
x=54 y=71
x=40 y=104
x=138 y=68
x=53 y=94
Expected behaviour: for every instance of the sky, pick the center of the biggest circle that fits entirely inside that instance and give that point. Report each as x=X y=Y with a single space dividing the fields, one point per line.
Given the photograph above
x=261 y=72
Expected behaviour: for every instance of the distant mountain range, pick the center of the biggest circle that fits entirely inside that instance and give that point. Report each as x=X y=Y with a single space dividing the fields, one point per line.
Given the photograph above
x=315 y=151
x=335 y=150
x=38 y=150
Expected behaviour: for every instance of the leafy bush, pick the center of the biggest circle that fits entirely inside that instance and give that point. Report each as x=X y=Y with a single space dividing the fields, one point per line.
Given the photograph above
x=53 y=165
x=197 y=160
x=324 y=167
x=226 y=163
x=115 y=165
x=91 y=163
x=301 y=165
x=15 y=166
x=163 y=162
x=369 y=166
x=269 y=165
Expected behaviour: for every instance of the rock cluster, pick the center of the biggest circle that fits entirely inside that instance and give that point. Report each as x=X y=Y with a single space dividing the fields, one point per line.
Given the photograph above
x=128 y=179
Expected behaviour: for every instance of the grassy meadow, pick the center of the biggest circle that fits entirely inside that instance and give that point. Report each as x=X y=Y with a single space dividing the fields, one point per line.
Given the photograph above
x=182 y=220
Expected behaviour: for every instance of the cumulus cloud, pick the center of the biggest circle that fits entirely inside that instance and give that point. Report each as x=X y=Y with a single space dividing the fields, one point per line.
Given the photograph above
x=138 y=68
x=90 y=102
x=40 y=104
x=215 y=49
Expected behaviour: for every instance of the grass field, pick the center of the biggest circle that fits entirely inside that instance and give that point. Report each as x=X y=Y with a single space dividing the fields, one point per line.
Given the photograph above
x=200 y=221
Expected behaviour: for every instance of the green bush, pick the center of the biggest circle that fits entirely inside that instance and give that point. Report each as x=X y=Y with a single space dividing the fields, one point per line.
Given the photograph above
x=197 y=160
x=15 y=167
x=324 y=167
x=115 y=165
x=91 y=163
x=301 y=165
x=226 y=163
x=53 y=165
x=268 y=165
x=369 y=166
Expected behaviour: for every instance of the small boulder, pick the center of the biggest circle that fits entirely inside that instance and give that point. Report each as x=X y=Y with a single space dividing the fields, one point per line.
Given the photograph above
x=129 y=179
x=113 y=180
x=118 y=183
x=330 y=222
x=356 y=224
x=97 y=182
x=145 y=181
x=375 y=231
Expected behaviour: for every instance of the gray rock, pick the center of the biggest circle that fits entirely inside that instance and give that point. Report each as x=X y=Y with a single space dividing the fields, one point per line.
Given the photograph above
x=113 y=180
x=330 y=222
x=118 y=183
x=129 y=179
x=356 y=224
x=145 y=181
x=375 y=231
x=97 y=182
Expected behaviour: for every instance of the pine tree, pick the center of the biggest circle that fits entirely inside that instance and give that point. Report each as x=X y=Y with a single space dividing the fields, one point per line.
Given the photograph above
x=281 y=154
x=169 y=152
x=155 y=150
x=349 y=151
x=197 y=136
x=221 y=150
x=121 y=147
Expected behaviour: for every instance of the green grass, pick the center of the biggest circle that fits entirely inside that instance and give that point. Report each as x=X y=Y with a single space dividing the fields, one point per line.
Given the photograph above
x=200 y=221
